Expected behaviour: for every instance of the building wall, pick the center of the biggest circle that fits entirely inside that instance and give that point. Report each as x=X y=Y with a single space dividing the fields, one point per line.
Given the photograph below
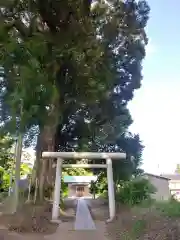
x=72 y=190
x=174 y=186
x=162 y=187
x=176 y=194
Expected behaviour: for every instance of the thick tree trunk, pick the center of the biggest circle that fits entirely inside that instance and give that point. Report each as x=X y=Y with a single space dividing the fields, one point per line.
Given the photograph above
x=45 y=172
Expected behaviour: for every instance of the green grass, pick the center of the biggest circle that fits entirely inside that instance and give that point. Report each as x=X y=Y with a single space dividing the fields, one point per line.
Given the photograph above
x=3 y=195
x=170 y=208
x=165 y=209
x=138 y=228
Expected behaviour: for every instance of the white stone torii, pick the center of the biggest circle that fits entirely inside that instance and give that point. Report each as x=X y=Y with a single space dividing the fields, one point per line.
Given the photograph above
x=83 y=155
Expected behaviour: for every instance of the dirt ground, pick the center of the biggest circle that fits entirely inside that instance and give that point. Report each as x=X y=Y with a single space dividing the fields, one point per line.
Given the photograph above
x=30 y=219
x=145 y=225
x=33 y=222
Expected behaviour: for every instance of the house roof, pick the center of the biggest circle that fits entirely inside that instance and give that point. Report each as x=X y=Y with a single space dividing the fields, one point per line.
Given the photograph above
x=172 y=176
x=157 y=176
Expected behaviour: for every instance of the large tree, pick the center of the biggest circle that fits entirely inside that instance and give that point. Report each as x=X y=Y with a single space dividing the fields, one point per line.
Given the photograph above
x=104 y=126
x=43 y=44
x=65 y=63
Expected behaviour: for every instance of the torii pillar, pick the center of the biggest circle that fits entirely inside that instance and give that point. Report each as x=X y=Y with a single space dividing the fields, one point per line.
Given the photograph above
x=87 y=155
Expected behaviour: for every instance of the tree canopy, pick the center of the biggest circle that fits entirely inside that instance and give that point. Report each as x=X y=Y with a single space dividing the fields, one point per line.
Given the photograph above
x=68 y=70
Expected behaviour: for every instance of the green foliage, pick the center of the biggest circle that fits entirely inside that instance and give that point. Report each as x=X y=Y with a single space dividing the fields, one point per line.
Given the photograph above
x=7 y=162
x=138 y=228
x=6 y=153
x=169 y=208
x=103 y=195
x=80 y=63
x=100 y=186
x=5 y=181
x=103 y=126
x=25 y=169
x=1 y=177
x=134 y=192
x=93 y=188
x=72 y=172
x=41 y=55
x=5 y=176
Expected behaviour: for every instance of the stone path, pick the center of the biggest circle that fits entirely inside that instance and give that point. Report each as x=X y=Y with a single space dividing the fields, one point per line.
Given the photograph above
x=65 y=232
x=83 y=219
x=85 y=227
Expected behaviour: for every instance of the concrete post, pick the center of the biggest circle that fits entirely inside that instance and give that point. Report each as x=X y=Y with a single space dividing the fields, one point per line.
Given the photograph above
x=110 y=188
x=56 y=200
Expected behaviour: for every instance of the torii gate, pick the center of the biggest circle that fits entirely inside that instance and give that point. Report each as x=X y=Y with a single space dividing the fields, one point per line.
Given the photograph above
x=83 y=155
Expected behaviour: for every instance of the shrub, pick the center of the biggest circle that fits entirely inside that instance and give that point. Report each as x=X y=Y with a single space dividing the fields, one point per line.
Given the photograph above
x=135 y=191
x=169 y=208
x=5 y=181
x=103 y=195
x=138 y=228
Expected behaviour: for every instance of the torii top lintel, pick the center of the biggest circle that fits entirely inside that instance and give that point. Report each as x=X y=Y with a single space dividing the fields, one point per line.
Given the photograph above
x=86 y=155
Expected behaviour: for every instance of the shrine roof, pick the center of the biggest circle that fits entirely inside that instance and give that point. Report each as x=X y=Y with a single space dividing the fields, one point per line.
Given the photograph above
x=79 y=179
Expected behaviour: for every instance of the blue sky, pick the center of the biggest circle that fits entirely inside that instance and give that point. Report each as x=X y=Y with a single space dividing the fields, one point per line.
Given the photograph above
x=155 y=106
